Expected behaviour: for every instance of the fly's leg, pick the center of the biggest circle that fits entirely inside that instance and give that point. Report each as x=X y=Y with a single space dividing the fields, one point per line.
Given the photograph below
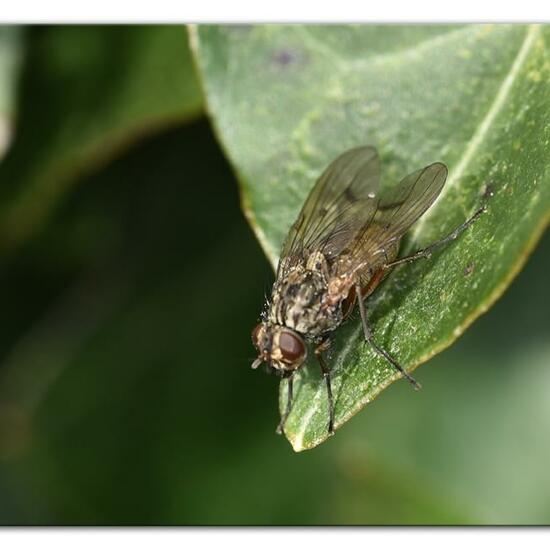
x=281 y=426
x=428 y=251
x=323 y=346
x=370 y=339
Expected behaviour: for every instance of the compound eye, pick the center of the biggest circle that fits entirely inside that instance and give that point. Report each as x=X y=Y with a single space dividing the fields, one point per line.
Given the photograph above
x=256 y=335
x=292 y=347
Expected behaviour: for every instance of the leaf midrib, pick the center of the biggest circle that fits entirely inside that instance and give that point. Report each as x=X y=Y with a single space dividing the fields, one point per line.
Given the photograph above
x=485 y=125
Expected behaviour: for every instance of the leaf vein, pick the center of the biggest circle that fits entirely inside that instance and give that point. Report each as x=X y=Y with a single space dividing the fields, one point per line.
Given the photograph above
x=485 y=125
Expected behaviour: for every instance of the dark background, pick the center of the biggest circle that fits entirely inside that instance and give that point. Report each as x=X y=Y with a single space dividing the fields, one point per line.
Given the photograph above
x=126 y=395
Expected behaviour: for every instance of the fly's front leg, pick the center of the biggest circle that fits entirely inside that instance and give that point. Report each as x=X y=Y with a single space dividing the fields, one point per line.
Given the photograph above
x=428 y=251
x=370 y=339
x=323 y=346
x=281 y=426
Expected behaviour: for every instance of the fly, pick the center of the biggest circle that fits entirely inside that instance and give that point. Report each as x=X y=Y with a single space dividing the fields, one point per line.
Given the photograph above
x=343 y=244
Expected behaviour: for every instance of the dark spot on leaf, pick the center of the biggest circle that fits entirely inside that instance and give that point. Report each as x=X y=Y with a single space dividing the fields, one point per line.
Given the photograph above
x=469 y=269
x=284 y=58
x=488 y=192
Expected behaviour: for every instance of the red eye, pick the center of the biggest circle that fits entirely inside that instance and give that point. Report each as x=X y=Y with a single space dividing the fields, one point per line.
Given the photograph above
x=256 y=335
x=292 y=347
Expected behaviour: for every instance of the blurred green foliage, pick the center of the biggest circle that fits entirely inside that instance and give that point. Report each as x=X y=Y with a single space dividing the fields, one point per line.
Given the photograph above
x=86 y=93
x=126 y=395
x=10 y=59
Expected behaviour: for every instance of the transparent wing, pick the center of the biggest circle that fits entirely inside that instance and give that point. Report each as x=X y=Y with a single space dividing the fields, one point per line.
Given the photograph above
x=342 y=200
x=398 y=208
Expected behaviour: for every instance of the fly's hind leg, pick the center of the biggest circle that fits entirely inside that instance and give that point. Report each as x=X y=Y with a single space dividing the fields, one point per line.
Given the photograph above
x=428 y=251
x=370 y=339
x=323 y=346
x=281 y=426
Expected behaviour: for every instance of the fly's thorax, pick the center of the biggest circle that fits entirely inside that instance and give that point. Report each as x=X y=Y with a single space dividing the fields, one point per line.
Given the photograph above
x=299 y=299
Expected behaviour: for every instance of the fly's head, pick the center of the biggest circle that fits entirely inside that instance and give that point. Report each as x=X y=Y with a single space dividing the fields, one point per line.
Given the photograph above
x=280 y=347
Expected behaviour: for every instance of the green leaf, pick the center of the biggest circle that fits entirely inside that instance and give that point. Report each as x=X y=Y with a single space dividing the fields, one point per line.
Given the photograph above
x=286 y=100
x=10 y=59
x=87 y=93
